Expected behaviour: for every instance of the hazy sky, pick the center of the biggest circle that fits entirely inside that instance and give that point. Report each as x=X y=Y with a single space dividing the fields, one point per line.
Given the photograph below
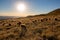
x=8 y=7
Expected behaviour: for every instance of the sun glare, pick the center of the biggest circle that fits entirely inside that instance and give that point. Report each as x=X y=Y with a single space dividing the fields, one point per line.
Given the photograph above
x=21 y=7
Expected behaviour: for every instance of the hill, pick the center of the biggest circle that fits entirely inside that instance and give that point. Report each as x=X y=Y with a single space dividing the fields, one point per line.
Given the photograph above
x=55 y=12
x=40 y=27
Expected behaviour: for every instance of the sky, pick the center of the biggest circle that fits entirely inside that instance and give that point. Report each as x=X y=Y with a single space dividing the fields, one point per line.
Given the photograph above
x=33 y=7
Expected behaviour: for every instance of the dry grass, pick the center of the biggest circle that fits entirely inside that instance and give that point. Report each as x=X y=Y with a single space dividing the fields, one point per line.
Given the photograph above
x=31 y=28
x=44 y=27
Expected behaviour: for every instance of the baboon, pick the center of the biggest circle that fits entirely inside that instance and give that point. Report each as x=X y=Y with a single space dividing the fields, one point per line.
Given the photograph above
x=8 y=28
x=57 y=19
x=44 y=37
x=19 y=23
x=35 y=22
x=38 y=31
x=1 y=29
x=9 y=24
x=3 y=24
x=52 y=38
x=45 y=19
x=23 y=30
x=10 y=37
x=41 y=20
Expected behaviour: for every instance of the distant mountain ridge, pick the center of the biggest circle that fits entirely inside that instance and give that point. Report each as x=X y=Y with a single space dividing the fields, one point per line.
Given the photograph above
x=7 y=17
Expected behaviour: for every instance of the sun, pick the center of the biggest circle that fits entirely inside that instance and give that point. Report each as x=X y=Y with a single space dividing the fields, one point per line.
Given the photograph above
x=21 y=7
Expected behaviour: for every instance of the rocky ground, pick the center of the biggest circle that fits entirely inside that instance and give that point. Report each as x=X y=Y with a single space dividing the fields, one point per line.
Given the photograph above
x=31 y=28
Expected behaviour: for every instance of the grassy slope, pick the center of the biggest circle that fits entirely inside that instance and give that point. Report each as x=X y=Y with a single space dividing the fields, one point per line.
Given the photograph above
x=31 y=28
